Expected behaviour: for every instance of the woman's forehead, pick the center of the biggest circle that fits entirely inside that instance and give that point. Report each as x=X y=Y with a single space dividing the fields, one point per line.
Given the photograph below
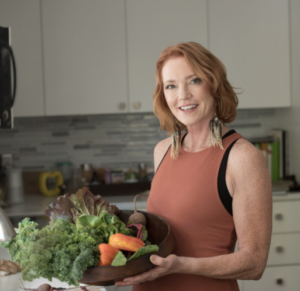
x=176 y=66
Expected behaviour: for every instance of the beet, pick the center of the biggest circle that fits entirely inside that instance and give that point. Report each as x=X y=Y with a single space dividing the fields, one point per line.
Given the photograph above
x=137 y=217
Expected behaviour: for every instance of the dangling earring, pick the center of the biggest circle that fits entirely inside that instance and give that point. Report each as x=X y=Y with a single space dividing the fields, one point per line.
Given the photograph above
x=215 y=126
x=176 y=138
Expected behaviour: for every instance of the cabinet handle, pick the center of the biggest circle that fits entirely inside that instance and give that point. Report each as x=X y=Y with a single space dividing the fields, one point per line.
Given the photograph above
x=137 y=105
x=279 y=281
x=279 y=249
x=278 y=216
x=122 y=105
x=5 y=115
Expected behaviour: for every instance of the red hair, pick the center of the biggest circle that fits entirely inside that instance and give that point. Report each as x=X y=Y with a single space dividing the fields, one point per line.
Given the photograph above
x=208 y=68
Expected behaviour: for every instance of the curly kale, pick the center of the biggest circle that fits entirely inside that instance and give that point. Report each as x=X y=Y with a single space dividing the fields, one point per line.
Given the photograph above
x=59 y=251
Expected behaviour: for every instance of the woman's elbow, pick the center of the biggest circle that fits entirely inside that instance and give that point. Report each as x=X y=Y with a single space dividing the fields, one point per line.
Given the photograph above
x=258 y=272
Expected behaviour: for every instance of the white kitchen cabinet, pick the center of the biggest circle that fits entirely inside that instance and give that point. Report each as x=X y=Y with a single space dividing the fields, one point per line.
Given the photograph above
x=23 y=17
x=251 y=38
x=84 y=56
x=283 y=266
x=151 y=27
x=276 y=279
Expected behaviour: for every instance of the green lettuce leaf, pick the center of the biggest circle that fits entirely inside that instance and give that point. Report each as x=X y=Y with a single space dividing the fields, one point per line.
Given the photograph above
x=119 y=260
x=143 y=251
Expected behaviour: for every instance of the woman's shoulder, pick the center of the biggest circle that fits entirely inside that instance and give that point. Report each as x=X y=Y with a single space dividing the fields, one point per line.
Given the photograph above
x=244 y=154
x=246 y=167
x=160 y=150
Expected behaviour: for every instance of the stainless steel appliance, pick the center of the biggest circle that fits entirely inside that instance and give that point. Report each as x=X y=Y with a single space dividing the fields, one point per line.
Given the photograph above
x=8 y=79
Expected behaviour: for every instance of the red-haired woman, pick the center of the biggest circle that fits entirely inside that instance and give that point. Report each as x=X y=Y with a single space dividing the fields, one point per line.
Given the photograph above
x=211 y=185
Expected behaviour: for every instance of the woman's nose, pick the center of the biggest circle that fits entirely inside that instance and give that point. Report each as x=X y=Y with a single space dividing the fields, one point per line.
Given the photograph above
x=183 y=92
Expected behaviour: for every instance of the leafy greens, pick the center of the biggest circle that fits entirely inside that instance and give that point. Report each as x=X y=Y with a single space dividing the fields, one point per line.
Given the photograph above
x=66 y=247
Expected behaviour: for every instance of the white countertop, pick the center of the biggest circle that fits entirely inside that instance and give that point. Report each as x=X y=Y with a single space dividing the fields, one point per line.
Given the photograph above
x=35 y=205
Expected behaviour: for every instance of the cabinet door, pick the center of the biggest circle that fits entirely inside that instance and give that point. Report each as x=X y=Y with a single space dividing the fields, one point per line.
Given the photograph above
x=251 y=38
x=284 y=249
x=276 y=279
x=23 y=17
x=286 y=216
x=151 y=27
x=85 y=56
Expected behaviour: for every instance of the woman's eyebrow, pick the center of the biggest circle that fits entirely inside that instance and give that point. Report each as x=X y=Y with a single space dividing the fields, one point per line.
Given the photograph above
x=191 y=76
x=188 y=77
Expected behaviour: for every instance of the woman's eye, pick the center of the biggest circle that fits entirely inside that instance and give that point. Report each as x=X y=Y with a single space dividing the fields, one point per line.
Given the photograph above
x=170 y=86
x=196 y=81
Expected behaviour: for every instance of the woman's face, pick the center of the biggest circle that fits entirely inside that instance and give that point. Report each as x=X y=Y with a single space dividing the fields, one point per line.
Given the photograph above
x=187 y=96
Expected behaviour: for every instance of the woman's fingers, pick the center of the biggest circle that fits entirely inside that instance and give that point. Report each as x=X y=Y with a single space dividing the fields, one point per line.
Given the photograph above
x=164 y=266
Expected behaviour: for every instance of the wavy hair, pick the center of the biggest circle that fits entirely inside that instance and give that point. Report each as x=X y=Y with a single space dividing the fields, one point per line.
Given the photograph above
x=208 y=68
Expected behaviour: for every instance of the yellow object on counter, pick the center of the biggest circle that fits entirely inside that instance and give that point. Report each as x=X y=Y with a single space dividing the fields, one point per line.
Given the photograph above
x=45 y=180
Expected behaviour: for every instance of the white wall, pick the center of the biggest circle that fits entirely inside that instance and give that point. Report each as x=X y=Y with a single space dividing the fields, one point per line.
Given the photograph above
x=289 y=119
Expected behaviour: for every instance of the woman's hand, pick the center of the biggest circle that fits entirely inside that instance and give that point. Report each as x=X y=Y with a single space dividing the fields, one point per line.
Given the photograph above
x=164 y=266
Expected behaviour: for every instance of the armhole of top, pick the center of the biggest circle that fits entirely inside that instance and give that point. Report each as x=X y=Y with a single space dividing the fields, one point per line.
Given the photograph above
x=162 y=159
x=168 y=150
x=224 y=195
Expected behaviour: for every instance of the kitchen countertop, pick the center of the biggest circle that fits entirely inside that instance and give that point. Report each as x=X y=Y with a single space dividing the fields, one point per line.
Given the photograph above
x=35 y=204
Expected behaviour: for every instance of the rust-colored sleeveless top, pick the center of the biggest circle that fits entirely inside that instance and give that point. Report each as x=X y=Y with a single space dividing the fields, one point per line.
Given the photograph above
x=185 y=193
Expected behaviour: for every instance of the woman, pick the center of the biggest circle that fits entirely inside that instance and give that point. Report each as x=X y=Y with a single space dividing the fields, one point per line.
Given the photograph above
x=211 y=185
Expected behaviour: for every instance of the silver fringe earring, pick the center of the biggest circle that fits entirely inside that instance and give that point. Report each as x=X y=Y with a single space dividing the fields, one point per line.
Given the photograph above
x=176 y=138
x=215 y=126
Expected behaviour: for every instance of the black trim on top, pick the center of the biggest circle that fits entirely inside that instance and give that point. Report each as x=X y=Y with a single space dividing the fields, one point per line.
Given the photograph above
x=224 y=195
x=163 y=158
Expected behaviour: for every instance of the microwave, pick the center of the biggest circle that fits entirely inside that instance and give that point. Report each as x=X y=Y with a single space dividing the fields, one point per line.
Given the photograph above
x=8 y=80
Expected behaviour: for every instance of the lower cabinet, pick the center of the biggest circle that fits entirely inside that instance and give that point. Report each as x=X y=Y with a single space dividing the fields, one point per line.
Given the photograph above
x=285 y=278
x=283 y=266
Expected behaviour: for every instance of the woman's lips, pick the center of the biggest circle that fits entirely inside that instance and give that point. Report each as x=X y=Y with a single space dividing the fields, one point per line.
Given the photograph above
x=188 y=108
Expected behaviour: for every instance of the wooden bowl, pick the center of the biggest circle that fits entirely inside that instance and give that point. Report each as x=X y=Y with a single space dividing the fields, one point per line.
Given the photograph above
x=158 y=233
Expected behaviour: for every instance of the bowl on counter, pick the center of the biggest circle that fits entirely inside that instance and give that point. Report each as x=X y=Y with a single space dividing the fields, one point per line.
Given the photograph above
x=158 y=233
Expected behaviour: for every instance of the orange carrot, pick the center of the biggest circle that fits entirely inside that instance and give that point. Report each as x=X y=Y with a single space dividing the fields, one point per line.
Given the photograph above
x=107 y=254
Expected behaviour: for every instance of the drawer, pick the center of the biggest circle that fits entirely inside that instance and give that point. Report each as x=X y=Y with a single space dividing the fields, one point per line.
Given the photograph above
x=276 y=279
x=284 y=249
x=286 y=216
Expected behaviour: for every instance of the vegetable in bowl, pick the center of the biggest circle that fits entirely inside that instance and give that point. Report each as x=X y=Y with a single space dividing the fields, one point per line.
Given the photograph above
x=69 y=245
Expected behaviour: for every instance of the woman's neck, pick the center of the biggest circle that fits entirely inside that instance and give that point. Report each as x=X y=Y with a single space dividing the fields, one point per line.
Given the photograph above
x=198 y=136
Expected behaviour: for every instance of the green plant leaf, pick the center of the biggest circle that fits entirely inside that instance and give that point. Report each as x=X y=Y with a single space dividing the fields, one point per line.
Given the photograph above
x=119 y=260
x=144 y=250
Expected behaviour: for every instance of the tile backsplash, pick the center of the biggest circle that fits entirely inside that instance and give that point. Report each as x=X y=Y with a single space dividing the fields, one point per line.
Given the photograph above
x=114 y=140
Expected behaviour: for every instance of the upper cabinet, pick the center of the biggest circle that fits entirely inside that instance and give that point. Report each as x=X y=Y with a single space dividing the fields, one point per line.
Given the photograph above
x=151 y=27
x=251 y=38
x=84 y=56
x=99 y=56
x=23 y=17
